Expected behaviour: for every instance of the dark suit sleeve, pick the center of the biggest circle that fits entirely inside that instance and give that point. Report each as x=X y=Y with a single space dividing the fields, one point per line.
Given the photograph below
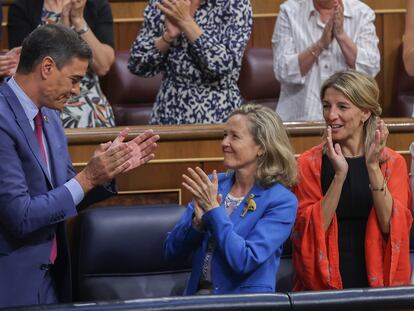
x=98 y=194
x=98 y=15
x=23 y=17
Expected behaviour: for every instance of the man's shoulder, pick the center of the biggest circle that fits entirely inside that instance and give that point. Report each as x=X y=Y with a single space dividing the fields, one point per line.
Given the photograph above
x=5 y=97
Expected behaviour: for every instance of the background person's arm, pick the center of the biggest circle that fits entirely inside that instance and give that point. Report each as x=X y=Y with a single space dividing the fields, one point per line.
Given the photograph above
x=103 y=53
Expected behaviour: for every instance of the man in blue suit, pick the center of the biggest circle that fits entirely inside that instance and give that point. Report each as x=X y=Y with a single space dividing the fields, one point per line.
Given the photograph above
x=39 y=189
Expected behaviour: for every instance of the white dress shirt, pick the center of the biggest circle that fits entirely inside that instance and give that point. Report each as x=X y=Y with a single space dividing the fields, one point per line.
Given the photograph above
x=297 y=28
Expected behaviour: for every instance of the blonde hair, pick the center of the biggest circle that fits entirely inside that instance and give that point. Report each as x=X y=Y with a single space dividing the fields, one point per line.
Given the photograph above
x=277 y=163
x=363 y=92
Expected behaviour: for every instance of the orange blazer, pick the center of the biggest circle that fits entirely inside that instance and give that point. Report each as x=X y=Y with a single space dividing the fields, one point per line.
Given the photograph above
x=315 y=252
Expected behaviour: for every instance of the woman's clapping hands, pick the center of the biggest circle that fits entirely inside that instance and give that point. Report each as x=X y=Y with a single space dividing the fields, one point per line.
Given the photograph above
x=204 y=190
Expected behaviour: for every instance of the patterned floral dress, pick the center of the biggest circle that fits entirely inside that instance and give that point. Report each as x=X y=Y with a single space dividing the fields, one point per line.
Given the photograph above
x=199 y=80
x=90 y=108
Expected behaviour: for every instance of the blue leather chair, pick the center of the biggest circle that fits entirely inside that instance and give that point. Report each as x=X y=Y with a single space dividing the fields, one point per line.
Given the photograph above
x=120 y=253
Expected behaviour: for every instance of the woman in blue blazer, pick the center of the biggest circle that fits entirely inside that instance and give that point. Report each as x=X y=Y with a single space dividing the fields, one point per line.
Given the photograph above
x=237 y=223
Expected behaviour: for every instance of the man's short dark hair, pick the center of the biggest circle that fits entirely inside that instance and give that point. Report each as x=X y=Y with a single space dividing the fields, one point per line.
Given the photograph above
x=57 y=41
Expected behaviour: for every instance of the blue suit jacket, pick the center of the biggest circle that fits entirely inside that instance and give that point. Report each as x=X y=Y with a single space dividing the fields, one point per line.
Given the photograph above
x=33 y=205
x=248 y=249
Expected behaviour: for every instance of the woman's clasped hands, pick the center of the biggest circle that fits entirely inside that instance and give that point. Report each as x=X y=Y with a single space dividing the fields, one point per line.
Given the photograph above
x=72 y=13
x=179 y=11
x=334 y=27
x=179 y=18
x=204 y=190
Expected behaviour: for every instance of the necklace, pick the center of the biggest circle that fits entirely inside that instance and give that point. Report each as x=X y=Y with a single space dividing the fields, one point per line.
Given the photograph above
x=355 y=156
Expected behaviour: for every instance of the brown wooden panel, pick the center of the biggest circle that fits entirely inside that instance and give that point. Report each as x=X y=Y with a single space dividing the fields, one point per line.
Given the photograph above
x=189 y=149
x=386 y=4
x=265 y=6
x=5 y=38
x=262 y=32
x=162 y=197
x=123 y=10
x=157 y=177
x=393 y=29
x=217 y=165
x=125 y=34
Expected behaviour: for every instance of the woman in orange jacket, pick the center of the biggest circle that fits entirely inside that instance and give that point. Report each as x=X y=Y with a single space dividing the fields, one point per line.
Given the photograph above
x=353 y=223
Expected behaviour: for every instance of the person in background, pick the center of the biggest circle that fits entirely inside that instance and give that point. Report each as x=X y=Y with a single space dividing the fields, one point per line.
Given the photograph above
x=198 y=47
x=312 y=40
x=354 y=218
x=92 y=20
x=237 y=223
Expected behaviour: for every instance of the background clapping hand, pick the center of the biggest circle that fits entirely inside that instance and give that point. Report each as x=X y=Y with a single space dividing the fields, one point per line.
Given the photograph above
x=380 y=139
x=65 y=15
x=76 y=13
x=178 y=11
x=72 y=13
x=327 y=34
x=9 y=62
x=338 y=19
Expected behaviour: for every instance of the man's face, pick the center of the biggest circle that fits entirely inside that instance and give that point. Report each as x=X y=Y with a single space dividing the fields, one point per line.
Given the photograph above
x=61 y=84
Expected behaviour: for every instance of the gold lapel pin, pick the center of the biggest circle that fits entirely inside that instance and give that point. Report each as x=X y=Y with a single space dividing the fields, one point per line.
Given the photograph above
x=250 y=205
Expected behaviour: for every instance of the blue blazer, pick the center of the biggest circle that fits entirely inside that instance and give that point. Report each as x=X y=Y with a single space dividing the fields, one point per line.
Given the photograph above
x=33 y=205
x=248 y=249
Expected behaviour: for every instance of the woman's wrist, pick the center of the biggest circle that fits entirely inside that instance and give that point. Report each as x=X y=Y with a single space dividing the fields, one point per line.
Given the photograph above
x=340 y=177
x=191 y=30
x=316 y=49
x=167 y=38
x=341 y=36
x=197 y=223
x=380 y=188
x=78 y=24
x=373 y=167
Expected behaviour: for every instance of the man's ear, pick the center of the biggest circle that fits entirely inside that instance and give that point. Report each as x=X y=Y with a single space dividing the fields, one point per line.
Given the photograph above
x=46 y=67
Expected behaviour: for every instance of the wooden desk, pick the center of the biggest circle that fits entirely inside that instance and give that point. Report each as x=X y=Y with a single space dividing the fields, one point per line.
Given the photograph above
x=196 y=145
